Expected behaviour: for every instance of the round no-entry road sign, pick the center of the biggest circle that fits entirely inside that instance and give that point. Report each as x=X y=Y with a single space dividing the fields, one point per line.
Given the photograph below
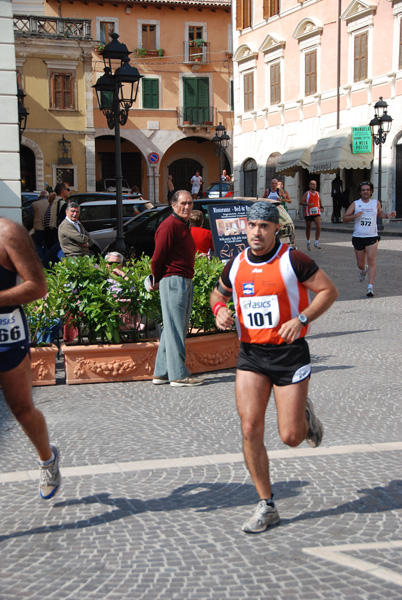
x=153 y=158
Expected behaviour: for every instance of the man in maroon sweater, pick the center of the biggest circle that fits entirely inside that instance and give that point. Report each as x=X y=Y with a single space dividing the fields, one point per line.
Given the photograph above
x=173 y=271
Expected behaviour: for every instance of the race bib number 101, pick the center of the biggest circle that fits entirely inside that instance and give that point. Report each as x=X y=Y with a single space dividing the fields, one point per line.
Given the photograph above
x=260 y=312
x=11 y=327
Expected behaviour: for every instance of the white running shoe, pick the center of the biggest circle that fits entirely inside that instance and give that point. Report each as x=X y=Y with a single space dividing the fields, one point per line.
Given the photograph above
x=50 y=477
x=309 y=247
x=317 y=246
x=370 y=291
x=264 y=516
x=362 y=274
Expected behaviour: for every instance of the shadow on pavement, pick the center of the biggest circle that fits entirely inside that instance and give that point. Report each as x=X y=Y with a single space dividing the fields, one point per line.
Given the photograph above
x=205 y=497
x=374 y=500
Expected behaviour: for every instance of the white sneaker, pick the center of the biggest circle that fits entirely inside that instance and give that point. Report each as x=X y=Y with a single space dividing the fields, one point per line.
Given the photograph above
x=159 y=380
x=309 y=247
x=315 y=427
x=370 y=291
x=50 y=477
x=362 y=274
x=264 y=516
x=317 y=246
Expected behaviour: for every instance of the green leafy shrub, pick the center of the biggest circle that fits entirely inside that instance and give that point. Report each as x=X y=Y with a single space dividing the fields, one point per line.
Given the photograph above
x=109 y=308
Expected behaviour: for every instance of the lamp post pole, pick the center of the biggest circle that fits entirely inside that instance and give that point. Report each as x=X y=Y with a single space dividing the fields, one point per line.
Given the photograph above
x=380 y=127
x=115 y=101
x=221 y=139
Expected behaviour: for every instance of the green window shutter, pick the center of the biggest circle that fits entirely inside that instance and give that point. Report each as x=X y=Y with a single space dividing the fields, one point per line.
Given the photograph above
x=150 y=93
x=195 y=99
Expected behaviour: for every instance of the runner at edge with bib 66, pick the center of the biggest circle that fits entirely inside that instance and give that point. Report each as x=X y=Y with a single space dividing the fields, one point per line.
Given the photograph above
x=22 y=280
x=270 y=285
x=363 y=213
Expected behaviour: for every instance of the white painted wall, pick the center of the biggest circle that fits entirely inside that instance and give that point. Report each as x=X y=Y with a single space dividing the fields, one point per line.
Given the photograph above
x=10 y=185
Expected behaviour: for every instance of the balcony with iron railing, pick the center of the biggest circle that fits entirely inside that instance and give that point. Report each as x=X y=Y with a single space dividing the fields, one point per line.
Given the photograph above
x=52 y=27
x=196 y=51
x=195 y=116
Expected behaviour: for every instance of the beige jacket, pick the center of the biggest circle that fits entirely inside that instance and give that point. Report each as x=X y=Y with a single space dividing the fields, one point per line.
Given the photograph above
x=71 y=241
x=39 y=209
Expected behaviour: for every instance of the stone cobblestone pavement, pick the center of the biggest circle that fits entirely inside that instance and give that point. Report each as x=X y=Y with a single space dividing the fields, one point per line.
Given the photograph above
x=155 y=490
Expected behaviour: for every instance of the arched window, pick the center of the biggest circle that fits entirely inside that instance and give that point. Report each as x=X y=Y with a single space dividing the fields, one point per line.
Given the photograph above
x=250 y=177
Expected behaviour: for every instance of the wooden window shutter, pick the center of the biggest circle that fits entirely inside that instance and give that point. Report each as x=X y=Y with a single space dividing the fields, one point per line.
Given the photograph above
x=275 y=83
x=239 y=14
x=360 y=56
x=248 y=83
x=150 y=93
x=266 y=9
x=310 y=75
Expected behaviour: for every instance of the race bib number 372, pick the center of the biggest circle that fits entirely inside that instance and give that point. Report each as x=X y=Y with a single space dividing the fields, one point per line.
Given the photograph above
x=260 y=312
x=11 y=327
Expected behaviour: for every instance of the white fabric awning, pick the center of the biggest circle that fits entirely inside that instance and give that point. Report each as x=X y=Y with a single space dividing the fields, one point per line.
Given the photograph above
x=293 y=159
x=335 y=152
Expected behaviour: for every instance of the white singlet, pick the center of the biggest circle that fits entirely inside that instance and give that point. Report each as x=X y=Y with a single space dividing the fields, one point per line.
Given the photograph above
x=366 y=225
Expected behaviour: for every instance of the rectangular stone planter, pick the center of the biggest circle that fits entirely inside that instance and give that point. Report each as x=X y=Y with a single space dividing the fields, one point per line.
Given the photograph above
x=135 y=362
x=43 y=365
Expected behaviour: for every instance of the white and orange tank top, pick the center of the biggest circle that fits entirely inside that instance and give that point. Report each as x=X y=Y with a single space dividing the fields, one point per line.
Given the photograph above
x=265 y=296
x=312 y=211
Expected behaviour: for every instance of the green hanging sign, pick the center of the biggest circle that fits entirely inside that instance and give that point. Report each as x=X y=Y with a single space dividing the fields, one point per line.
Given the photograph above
x=361 y=140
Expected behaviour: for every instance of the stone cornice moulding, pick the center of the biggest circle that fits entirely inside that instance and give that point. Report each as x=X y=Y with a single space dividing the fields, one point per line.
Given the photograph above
x=58 y=48
x=358 y=9
x=61 y=64
x=308 y=27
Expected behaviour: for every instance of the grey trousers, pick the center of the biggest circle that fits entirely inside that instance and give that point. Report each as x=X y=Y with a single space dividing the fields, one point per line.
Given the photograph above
x=176 y=294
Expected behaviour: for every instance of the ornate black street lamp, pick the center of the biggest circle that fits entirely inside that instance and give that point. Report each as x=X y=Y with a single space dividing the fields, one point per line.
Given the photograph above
x=221 y=139
x=116 y=93
x=22 y=112
x=380 y=128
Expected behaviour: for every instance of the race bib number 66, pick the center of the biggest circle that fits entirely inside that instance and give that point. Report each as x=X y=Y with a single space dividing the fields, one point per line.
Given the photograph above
x=260 y=312
x=11 y=327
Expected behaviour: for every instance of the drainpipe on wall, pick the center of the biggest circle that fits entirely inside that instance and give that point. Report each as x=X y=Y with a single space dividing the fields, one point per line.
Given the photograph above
x=338 y=68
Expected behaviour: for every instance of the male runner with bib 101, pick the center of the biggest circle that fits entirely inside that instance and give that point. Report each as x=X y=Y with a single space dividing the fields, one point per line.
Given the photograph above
x=363 y=213
x=269 y=283
x=22 y=280
x=312 y=213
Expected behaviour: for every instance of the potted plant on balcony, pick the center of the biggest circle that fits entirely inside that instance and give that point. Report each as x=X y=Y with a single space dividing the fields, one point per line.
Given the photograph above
x=200 y=43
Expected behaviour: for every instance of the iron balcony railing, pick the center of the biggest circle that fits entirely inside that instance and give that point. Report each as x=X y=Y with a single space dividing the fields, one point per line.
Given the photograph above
x=52 y=27
x=195 y=115
x=196 y=52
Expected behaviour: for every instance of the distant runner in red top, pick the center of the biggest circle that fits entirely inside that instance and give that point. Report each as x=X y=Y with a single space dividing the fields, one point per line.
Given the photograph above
x=312 y=212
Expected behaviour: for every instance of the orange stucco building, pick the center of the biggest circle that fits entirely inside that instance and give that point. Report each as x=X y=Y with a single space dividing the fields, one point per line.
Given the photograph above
x=183 y=51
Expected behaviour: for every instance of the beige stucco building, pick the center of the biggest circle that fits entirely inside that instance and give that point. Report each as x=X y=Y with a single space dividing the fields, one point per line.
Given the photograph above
x=305 y=74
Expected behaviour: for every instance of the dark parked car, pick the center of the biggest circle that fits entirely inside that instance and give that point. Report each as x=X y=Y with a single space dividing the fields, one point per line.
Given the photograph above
x=103 y=238
x=103 y=214
x=100 y=196
x=139 y=237
x=27 y=199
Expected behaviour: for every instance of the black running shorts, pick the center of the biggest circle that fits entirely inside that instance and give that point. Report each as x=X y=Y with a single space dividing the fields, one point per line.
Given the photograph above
x=359 y=243
x=284 y=364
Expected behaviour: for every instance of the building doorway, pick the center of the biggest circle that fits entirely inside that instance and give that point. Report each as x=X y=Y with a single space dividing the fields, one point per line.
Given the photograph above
x=28 y=171
x=398 y=180
x=182 y=171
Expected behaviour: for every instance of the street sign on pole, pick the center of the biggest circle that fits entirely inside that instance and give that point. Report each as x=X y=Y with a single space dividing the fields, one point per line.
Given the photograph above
x=153 y=158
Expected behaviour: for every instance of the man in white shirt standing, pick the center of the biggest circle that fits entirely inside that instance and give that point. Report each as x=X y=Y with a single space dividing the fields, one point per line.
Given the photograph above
x=196 y=182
